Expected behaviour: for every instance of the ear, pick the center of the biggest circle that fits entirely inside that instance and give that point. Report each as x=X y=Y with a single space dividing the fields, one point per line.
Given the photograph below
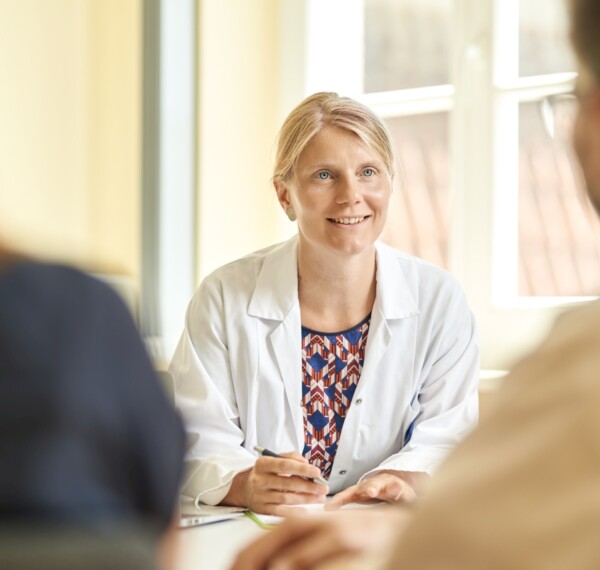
x=282 y=194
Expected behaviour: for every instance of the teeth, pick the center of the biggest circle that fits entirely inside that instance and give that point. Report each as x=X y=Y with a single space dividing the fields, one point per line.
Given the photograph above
x=348 y=221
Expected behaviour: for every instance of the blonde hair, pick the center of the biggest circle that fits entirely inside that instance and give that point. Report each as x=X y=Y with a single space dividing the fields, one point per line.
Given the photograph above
x=328 y=109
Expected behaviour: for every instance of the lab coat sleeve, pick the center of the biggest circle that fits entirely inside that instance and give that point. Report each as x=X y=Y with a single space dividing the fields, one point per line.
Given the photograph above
x=446 y=405
x=206 y=399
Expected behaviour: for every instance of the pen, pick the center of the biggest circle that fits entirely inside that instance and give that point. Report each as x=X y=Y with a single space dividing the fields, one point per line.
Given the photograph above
x=256 y=518
x=270 y=453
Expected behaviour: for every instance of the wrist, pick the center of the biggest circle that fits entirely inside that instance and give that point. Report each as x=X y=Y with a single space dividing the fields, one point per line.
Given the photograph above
x=237 y=494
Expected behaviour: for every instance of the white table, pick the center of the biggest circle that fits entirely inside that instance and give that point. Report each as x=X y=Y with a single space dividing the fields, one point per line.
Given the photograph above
x=214 y=546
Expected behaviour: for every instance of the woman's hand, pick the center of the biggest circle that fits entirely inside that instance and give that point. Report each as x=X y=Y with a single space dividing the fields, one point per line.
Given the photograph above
x=307 y=541
x=274 y=483
x=387 y=487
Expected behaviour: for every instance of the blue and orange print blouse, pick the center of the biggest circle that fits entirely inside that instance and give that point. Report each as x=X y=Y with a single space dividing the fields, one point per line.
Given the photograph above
x=331 y=367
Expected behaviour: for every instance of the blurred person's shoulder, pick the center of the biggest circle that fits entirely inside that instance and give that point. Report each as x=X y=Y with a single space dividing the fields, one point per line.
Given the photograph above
x=575 y=334
x=51 y=283
x=576 y=338
x=46 y=305
x=582 y=320
x=564 y=367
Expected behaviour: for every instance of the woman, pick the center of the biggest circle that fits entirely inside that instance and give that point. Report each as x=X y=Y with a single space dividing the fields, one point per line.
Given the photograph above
x=88 y=439
x=359 y=360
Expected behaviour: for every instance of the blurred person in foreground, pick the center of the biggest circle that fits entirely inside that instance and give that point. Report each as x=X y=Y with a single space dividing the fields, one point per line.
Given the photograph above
x=88 y=439
x=359 y=361
x=523 y=490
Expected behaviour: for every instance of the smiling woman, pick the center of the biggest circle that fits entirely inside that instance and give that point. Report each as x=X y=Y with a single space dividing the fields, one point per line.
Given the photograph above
x=339 y=194
x=358 y=361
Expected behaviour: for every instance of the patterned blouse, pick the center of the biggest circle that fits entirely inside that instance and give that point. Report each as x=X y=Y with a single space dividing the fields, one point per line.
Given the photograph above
x=331 y=367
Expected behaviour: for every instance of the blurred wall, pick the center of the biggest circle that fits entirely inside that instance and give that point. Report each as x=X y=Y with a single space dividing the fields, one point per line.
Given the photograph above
x=70 y=130
x=238 y=121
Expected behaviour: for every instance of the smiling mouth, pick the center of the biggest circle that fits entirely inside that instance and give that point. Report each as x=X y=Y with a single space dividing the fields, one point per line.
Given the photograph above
x=349 y=221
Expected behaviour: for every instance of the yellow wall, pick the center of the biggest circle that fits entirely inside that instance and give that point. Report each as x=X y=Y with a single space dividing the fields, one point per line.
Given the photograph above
x=70 y=133
x=238 y=116
x=114 y=174
x=69 y=130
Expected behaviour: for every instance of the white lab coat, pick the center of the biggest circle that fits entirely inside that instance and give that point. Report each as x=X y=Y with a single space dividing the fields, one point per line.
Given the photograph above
x=238 y=371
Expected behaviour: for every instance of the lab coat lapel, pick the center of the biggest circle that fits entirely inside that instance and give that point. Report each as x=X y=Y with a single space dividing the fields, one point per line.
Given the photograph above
x=377 y=343
x=286 y=342
x=276 y=298
x=393 y=300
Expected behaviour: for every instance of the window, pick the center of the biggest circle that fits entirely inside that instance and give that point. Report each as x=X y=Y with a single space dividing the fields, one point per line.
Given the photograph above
x=558 y=246
x=407 y=60
x=483 y=189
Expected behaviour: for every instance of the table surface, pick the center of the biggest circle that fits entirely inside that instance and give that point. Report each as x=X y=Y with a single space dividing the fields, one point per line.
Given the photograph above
x=214 y=546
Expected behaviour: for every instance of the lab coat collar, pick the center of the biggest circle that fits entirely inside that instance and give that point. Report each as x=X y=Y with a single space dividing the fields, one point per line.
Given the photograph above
x=395 y=296
x=276 y=291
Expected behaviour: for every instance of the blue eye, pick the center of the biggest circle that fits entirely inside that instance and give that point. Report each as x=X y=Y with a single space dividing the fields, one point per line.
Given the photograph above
x=368 y=172
x=323 y=175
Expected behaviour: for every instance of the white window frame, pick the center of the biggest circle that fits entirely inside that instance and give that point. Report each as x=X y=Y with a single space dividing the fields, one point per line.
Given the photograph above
x=168 y=172
x=484 y=104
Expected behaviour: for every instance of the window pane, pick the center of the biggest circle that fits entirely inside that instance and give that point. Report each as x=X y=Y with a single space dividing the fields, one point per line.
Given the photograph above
x=558 y=230
x=407 y=44
x=543 y=36
x=418 y=221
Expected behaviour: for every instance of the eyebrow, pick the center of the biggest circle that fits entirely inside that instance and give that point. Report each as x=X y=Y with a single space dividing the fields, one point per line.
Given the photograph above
x=329 y=166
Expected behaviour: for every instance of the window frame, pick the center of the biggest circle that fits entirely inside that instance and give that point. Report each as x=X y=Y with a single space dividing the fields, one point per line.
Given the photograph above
x=483 y=104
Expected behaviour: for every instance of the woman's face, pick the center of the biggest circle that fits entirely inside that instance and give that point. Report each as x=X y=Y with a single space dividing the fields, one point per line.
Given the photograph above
x=339 y=193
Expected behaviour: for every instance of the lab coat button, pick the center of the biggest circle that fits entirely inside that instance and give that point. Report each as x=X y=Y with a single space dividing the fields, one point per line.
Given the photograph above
x=343 y=472
x=358 y=402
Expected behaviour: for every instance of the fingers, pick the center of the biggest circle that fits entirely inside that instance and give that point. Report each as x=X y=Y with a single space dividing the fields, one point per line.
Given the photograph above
x=266 y=500
x=383 y=487
x=286 y=466
x=290 y=484
x=349 y=495
x=277 y=482
x=379 y=487
x=292 y=498
x=388 y=488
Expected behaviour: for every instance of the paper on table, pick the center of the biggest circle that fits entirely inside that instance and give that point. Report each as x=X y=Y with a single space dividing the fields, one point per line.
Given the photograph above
x=266 y=521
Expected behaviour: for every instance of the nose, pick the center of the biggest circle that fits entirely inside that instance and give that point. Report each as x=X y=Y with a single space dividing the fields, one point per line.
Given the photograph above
x=348 y=190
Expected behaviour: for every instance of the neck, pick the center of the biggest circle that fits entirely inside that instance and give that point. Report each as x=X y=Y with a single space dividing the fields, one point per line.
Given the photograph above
x=335 y=292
